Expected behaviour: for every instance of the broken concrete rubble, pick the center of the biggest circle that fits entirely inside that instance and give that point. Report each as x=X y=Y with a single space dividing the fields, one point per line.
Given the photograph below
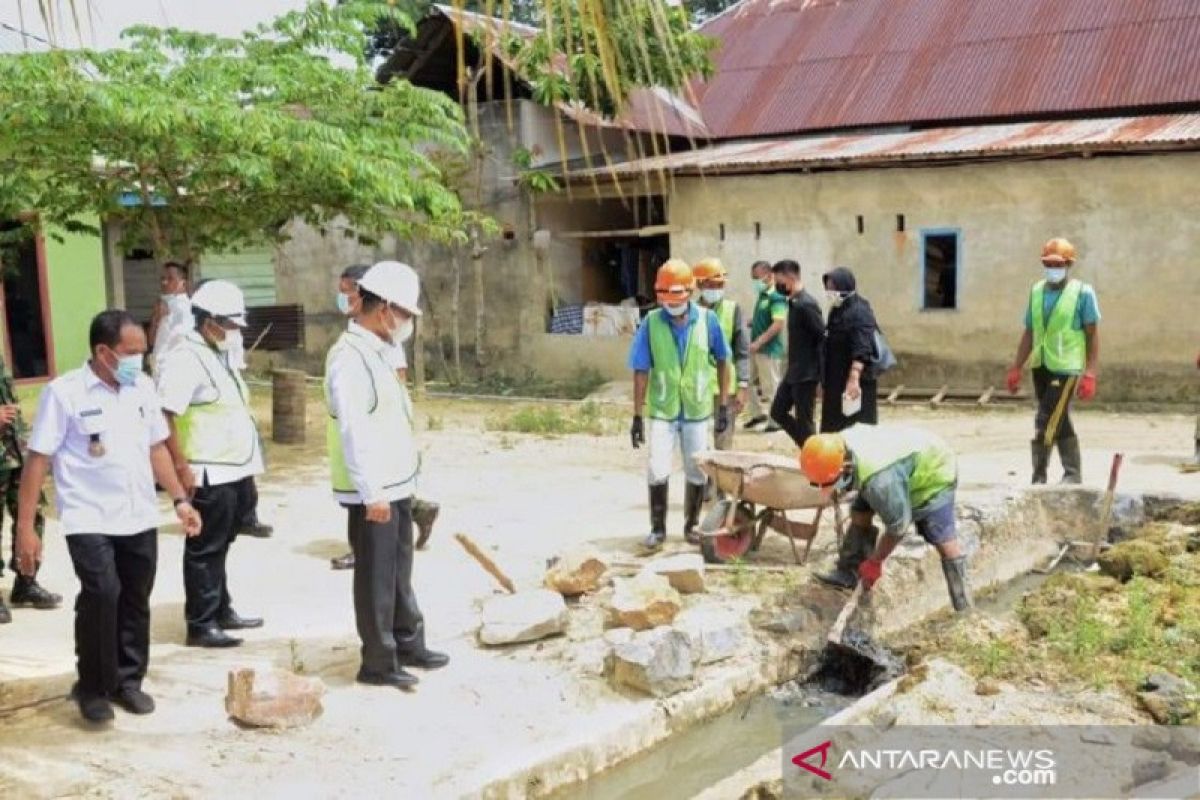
x=644 y=602
x=522 y=617
x=273 y=699
x=659 y=662
x=576 y=573
x=684 y=571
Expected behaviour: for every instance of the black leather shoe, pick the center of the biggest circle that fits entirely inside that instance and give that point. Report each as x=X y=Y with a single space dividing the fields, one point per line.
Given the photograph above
x=424 y=659
x=28 y=593
x=93 y=708
x=232 y=622
x=343 y=562
x=135 y=701
x=211 y=637
x=400 y=679
x=257 y=530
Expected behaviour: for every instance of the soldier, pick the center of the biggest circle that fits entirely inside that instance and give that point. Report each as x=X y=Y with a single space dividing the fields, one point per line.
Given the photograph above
x=14 y=433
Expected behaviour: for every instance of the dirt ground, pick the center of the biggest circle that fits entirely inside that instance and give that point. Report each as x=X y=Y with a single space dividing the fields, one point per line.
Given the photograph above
x=525 y=498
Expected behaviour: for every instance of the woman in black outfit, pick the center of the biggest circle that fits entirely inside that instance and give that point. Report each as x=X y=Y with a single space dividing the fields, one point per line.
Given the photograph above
x=849 y=351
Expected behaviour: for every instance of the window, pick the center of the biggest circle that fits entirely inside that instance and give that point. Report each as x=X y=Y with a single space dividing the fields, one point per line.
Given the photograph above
x=939 y=269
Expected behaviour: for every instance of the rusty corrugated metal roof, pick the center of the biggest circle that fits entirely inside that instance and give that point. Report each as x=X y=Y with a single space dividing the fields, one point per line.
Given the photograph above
x=803 y=65
x=1115 y=134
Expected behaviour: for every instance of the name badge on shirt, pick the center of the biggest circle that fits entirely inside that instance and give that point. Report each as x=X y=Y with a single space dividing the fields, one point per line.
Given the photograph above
x=93 y=423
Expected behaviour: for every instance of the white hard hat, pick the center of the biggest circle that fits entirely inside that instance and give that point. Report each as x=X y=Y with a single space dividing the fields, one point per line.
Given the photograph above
x=221 y=299
x=396 y=283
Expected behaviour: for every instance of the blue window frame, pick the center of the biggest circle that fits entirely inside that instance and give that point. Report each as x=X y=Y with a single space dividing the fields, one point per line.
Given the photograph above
x=940 y=269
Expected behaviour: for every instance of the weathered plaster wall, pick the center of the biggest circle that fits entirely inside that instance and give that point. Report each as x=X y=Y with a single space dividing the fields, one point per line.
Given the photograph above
x=1135 y=221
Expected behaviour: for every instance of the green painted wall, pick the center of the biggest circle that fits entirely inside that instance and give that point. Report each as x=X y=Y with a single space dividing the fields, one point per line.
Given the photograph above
x=75 y=272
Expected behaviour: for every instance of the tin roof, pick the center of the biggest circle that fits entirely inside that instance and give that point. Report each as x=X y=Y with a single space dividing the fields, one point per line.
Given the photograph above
x=1034 y=139
x=803 y=65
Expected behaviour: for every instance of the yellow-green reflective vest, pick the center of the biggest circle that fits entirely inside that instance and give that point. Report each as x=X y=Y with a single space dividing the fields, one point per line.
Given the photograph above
x=725 y=313
x=220 y=432
x=1056 y=344
x=877 y=448
x=391 y=458
x=676 y=386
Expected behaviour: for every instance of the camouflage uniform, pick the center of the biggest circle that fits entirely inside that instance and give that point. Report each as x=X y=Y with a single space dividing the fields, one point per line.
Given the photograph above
x=13 y=440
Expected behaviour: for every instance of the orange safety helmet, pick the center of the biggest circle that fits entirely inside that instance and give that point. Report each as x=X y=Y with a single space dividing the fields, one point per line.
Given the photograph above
x=823 y=458
x=674 y=282
x=1058 y=251
x=710 y=269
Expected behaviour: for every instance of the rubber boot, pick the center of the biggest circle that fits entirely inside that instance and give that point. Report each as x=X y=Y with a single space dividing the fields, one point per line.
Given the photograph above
x=955 y=570
x=28 y=593
x=857 y=545
x=658 y=518
x=1068 y=453
x=1041 y=460
x=693 y=499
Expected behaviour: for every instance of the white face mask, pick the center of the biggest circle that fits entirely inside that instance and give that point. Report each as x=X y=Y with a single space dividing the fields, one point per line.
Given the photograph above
x=712 y=296
x=402 y=331
x=836 y=298
x=677 y=311
x=1056 y=274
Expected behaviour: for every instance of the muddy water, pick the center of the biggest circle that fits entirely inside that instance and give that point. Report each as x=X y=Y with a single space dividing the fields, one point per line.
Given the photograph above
x=693 y=760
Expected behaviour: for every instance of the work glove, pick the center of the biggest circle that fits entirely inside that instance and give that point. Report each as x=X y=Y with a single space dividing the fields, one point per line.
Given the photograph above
x=722 y=423
x=637 y=433
x=870 y=571
x=1087 y=386
x=1013 y=379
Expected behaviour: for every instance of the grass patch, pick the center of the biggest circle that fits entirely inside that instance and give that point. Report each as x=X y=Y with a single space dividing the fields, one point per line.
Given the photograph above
x=551 y=421
x=577 y=385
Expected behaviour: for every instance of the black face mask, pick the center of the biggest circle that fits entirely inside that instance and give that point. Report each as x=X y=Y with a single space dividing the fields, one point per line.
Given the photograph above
x=783 y=289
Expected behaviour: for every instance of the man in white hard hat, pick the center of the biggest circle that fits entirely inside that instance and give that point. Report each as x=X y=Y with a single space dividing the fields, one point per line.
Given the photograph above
x=374 y=465
x=216 y=452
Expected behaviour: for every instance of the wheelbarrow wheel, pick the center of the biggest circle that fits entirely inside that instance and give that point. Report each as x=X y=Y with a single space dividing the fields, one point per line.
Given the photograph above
x=725 y=548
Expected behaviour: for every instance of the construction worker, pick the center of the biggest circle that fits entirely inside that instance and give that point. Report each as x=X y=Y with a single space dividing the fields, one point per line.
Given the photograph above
x=710 y=277
x=100 y=429
x=14 y=433
x=374 y=464
x=1062 y=332
x=424 y=513
x=904 y=475
x=670 y=359
x=766 y=346
x=216 y=451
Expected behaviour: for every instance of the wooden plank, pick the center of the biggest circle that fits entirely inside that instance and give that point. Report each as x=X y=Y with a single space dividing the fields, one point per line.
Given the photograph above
x=940 y=396
x=986 y=397
x=891 y=398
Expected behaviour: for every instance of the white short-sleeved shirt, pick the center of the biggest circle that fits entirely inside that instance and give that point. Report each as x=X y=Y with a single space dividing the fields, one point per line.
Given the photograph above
x=172 y=327
x=183 y=382
x=111 y=493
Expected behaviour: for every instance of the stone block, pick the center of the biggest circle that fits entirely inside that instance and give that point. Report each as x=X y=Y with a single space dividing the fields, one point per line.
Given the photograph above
x=277 y=699
x=522 y=617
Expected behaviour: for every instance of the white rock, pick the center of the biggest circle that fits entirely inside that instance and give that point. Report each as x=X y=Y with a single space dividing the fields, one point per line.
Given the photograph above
x=716 y=634
x=273 y=699
x=644 y=602
x=522 y=617
x=684 y=571
x=659 y=662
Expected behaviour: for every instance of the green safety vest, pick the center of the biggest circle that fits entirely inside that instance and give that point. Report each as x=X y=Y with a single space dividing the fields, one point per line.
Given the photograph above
x=676 y=387
x=725 y=314
x=392 y=457
x=1056 y=344
x=220 y=432
x=875 y=449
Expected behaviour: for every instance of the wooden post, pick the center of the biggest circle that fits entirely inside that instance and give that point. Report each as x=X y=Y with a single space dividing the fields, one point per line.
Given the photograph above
x=289 y=395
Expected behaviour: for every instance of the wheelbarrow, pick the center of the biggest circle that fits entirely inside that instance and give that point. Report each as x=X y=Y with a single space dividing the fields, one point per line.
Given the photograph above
x=756 y=491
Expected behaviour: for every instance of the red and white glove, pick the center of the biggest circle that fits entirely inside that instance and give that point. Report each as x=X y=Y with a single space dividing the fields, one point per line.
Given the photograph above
x=1013 y=379
x=869 y=572
x=1087 y=386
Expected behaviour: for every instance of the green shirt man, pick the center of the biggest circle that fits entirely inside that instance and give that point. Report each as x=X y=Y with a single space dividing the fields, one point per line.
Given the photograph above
x=766 y=344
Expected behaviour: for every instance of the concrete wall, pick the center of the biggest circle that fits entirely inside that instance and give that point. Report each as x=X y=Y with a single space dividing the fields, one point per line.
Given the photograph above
x=75 y=273
x=1135 y=221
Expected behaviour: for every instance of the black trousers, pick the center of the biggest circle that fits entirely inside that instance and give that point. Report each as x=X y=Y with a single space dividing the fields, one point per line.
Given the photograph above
x=832 y=419
x=385 y=607
x=205 y=585
x=1054 y=394
x=249 y=517
x=112 y=611
x=801 y=396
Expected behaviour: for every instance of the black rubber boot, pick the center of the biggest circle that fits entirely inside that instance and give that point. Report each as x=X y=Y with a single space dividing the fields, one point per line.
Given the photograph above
x=424 y=514
x=658 y=518
x=28 y=593
x=1041 y=460
x=857 y=545
x=693 y=499
x=955 y=570
x=1072 y=461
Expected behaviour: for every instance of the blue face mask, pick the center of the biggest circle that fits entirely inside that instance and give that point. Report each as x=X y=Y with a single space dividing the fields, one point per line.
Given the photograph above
x=343 y=303
x=759 y=286
x=677 y=311
x=1056 y=274
x=712 y=296
x=128 y=369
